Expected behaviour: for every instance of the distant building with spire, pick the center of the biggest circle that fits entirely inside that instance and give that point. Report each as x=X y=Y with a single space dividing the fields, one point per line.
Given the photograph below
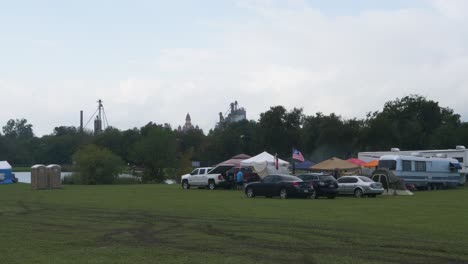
x=188 y=124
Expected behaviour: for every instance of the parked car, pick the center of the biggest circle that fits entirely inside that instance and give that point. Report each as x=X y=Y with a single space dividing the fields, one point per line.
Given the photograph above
x=324 y=184
x=359 y=186
x=206 y=177
x=284 y=186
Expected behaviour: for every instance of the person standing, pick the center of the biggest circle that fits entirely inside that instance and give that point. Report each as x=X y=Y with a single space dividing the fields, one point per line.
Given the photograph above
x=240 y=179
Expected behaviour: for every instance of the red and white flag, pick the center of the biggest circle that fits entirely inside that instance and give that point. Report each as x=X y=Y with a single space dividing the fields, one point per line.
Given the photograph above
x=297 y=155
x=276 y=161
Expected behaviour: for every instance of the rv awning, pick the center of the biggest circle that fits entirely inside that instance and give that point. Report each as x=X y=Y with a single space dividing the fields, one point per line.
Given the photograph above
x=455 y=165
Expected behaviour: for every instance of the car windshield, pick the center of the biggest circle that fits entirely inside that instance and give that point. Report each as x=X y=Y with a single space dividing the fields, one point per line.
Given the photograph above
x=365 y=179
x=326 y=178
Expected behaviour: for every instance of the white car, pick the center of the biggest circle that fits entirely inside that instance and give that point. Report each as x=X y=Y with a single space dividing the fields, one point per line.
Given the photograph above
x=206 y=177
x=359 y=186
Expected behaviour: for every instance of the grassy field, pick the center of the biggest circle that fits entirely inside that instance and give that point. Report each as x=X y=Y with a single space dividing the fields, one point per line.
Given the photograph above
x=164 y=224
x=21 y=169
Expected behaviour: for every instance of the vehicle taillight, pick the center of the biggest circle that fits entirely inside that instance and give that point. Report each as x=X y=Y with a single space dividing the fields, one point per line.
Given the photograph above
x=220 y=177
x=296 y=184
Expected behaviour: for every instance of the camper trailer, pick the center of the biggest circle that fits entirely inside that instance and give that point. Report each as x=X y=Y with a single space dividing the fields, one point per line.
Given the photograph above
x=424 y=172
x=460 y=153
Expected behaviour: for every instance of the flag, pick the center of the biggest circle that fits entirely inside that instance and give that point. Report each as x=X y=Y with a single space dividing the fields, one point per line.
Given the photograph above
x=276 y=161
x=297 y=155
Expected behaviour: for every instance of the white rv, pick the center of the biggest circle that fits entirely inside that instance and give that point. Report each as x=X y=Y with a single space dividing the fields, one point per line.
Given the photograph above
x=423 y=172
x=460 y=153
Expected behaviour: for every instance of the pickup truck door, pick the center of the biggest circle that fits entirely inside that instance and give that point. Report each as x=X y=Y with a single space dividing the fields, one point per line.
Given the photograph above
x=193 y=177
x=202 y=177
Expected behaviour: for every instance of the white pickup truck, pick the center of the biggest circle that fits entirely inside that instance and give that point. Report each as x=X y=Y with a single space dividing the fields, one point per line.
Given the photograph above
x=206 y=177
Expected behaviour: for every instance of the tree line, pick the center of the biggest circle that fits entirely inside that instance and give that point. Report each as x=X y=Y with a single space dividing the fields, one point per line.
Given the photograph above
x=411 y=122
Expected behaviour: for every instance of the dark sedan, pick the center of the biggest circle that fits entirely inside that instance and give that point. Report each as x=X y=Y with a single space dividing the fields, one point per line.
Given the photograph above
x=283 y=186
x=324 y=185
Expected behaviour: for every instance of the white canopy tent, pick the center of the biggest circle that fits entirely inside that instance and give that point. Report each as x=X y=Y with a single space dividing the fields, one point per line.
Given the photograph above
x=264 y=164
x=4 y=165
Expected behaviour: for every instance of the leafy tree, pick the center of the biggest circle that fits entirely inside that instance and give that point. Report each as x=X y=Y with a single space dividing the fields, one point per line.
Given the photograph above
x=18 y=128
x=111 y=138
x=411 y=123
x=280 y=130
x=155 y=151
x=60 y=146
x=97 y=165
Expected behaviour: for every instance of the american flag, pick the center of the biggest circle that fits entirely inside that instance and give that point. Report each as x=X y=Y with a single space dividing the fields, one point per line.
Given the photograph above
x=297 y=155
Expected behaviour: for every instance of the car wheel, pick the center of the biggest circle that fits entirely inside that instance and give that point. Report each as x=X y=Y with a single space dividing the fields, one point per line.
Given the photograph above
x=313 y=195
x=283 y=194
x=250 y=192
x=358 y=193
x=185 y=185
x=211 y=185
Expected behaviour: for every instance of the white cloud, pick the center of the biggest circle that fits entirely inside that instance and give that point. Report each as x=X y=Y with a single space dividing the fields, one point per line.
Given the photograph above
x=454 y=9
x=280 y=55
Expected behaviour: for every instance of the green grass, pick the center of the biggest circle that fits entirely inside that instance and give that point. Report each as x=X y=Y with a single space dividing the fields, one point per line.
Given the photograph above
x=164 y=224
x=21 y=169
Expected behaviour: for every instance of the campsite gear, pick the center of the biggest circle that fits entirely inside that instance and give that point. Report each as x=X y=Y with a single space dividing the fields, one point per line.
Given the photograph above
x=356 y=161
x=235 y=161
x=335 y=164
x=371 y=164
x=264 y=164
x=6 y=173
x=304 y=166
x=390 y=182
x=283 y=186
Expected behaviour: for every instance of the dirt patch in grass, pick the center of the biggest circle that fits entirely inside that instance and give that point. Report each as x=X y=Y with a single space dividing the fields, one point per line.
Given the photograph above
x=141 y=236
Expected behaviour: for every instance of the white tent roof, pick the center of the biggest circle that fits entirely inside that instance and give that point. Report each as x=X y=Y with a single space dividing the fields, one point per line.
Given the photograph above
x=4 y=165
x=264 y=164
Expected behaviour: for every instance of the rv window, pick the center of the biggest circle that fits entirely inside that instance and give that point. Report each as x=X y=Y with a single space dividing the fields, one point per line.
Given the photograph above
x=420 y=165
x=387 y=164
x=406 y=164
x=459 y=160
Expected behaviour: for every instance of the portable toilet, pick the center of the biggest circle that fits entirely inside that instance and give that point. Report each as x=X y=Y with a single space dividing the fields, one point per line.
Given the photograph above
x=6 y=172
x=53 y=176
x=38 y=177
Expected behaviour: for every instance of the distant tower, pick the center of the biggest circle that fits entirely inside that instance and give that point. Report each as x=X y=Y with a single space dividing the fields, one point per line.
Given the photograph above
x=236 y=114
x=98 y=120
x=81 y=121
x=188 y=123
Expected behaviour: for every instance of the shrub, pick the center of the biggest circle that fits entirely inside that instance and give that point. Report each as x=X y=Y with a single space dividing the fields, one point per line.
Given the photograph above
x=96 y=165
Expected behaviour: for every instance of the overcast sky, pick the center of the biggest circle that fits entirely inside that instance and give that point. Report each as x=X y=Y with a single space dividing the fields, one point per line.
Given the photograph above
x=152 y=60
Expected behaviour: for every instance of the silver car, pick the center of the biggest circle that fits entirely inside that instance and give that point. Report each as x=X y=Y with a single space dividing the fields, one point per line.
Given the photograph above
x=359 y=186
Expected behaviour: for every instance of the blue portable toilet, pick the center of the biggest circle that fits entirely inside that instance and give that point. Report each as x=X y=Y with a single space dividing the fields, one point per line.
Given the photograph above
x=6 y=173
